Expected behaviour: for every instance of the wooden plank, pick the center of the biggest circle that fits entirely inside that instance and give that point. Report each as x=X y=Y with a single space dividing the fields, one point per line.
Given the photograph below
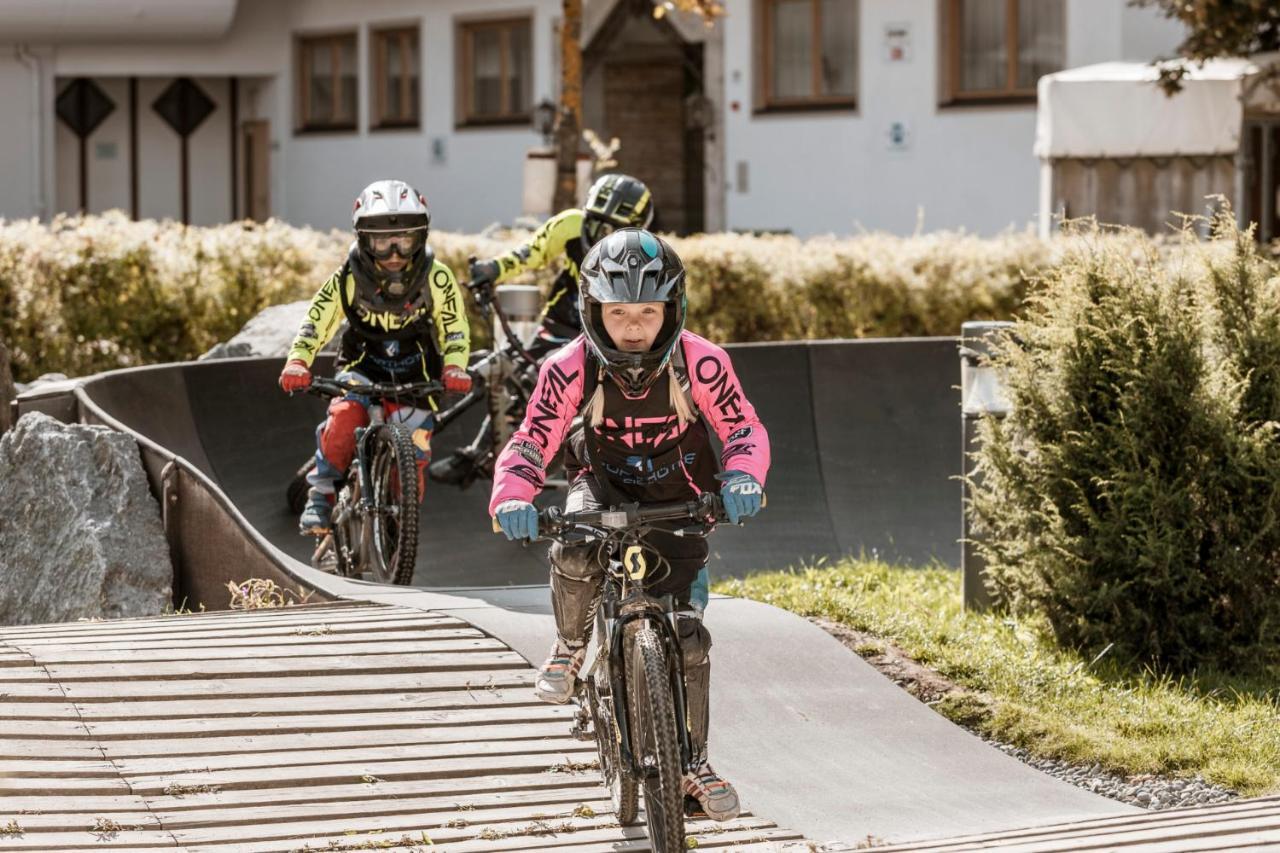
x=117 y=842
x=389 y=789
x=331 y=740
x=24 y=690
x=303 y=713
x=324 y=755
x=1223 y=813
x=74 y=821
x=441 y=828
x=327 y=611
x=588 y=834
x=241 y=623
x=91 y=691
x=338 y=773
x=300 y=636
x=470 y=807
x=232 y=634
x=247 y=667
x=37 y=711
x=29 y=786
x=283 y=647
x=11 y=748
x=69 y=729
x=71 y=768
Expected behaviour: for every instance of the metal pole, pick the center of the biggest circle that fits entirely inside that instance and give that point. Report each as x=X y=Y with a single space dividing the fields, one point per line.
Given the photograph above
x=982 y=395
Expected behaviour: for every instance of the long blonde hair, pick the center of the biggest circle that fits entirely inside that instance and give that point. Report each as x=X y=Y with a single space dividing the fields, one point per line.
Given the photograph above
x=679 y=400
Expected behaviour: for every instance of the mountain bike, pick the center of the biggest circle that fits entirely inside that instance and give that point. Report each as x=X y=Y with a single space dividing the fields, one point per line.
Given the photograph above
x=632 y=699
x=374 y=523
x=503 y=377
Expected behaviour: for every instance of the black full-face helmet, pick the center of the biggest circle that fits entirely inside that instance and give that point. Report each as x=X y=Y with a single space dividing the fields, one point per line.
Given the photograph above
x=615 y=201
x=632 y=265
x=390 y=218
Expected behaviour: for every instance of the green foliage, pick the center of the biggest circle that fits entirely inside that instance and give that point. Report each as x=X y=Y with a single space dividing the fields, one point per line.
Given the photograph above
x=1022 y=688
x=1218 y=28
x=1132 y=494
x=85 y=294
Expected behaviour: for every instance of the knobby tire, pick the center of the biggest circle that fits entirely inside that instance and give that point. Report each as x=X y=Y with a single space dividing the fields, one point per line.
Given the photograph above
x=655 y=744
x=394 y=479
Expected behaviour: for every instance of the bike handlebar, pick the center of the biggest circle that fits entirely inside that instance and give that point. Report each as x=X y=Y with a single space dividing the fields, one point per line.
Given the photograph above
x=556 y=524
x=336 y=388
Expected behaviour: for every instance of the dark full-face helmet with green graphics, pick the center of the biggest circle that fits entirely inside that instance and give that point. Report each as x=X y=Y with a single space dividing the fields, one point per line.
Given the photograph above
x=632 y=266
x=615 y=201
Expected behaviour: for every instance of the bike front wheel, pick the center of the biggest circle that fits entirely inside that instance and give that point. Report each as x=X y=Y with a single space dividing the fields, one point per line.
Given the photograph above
x=393 y=518
x=654 y=740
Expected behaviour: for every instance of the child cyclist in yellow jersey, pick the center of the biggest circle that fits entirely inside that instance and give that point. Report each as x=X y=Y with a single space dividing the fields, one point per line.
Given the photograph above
x=646 y=389
x=406 y=322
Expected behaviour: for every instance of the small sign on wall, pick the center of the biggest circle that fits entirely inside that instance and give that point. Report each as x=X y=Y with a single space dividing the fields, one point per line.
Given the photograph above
x=898 y=136
x=897 y=42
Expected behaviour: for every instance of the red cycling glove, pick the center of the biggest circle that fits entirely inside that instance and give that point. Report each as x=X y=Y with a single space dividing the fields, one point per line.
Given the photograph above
x=296 y=376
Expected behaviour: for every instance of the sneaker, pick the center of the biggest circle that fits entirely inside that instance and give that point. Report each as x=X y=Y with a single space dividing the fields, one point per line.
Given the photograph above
x=314 y=520
x=559 y=675
x=716 y=796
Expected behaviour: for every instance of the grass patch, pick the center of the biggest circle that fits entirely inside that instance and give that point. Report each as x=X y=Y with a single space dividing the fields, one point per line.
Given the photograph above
x=1054 y=702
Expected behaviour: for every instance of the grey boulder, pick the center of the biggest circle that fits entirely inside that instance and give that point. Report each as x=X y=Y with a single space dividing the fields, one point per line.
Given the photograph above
x=269 y=333
x=80 y=534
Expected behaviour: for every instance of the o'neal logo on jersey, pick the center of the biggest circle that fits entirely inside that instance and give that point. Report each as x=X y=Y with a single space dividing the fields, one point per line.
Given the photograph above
x=640 y=432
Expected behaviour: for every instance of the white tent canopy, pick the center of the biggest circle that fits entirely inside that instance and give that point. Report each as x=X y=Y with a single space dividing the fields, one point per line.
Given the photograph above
x=1115 y=109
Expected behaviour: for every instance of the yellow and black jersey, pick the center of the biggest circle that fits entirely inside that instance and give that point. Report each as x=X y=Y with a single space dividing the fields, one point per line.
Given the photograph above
x=560 y=237
x=433 y=330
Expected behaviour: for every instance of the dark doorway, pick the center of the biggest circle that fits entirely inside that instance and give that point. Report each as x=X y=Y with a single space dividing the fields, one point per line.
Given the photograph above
x=1261 y=166
x=650 y=87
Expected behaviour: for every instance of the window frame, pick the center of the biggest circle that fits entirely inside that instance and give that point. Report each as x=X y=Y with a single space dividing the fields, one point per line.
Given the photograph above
x=952 y=96
x=409 y=35
x=464 y=32
x=766 y=102
x=304 y=44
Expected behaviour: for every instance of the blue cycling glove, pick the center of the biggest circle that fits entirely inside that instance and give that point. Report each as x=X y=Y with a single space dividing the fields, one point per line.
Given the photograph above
x=518 y=519
x=741 y=494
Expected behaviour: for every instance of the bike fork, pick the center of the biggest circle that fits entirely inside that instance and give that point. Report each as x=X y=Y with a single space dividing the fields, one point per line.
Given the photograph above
x=618 y=683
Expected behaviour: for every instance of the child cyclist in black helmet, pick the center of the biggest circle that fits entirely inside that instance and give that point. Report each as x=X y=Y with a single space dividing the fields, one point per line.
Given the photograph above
x=613 y=202
x=405 y=323
x=644 y=386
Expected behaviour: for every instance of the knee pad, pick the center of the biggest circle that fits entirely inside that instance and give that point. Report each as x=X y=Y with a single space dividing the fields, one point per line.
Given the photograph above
x=338 y=434
x=695 y=641
x=574 y=564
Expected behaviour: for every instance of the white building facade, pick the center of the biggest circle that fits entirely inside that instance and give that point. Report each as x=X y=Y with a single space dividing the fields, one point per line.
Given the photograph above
x=809 y=116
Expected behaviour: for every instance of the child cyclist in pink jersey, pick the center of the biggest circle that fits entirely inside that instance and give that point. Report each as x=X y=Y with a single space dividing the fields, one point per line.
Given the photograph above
x=644 y=386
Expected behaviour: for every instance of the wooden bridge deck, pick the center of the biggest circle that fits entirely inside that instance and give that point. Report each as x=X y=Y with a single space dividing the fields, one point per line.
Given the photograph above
x=1252 y=824
x=323 y=727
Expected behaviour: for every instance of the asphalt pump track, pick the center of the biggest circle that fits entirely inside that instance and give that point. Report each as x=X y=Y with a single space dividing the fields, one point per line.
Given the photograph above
x=867 y=445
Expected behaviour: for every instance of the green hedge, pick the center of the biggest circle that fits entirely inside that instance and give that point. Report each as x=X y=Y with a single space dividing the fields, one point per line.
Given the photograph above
x=80 y=295
x=1133 y=494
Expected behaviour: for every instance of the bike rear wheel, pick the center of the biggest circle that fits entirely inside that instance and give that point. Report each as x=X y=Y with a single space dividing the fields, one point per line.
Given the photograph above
x=392 y=548
x=654 y=739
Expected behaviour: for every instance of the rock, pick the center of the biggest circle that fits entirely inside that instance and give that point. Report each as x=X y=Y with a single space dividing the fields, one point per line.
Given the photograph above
x=80 y=535
x=268 y=334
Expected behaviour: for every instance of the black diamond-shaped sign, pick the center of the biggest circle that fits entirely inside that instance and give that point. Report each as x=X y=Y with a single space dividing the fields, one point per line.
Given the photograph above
x=83 y=106
x=183 y=105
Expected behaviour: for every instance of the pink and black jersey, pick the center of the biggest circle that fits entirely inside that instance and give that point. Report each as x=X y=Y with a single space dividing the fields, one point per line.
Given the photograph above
x=640 y=447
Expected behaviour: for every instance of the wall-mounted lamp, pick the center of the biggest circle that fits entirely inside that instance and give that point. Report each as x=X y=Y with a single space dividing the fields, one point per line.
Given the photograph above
x=544 y=119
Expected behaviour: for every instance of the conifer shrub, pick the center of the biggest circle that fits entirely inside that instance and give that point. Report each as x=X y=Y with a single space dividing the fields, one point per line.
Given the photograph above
x=1132 y=494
